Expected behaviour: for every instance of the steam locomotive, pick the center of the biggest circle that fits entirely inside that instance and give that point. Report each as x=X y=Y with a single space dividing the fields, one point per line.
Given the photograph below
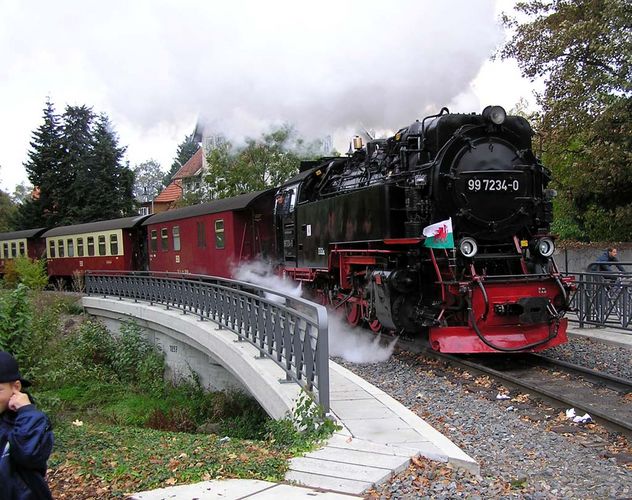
x=352 y=229
x=440 y=231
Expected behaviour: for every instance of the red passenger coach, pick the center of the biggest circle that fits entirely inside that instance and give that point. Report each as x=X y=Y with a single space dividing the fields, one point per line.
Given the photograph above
x=213 y=237
x=109 y=245
x=25 y=243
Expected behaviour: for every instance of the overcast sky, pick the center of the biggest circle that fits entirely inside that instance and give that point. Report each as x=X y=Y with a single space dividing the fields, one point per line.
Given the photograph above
x=327 y=67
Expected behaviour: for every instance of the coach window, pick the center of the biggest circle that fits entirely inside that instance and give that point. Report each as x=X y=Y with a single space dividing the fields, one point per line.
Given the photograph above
x=154 y=240
x=79 y=247
x=91 y=246
x=219 y=233
x=60 y=248
x=71 y=247
x=175 y=232
x=113 y=244
x=164 y=239
x=201 y=235
x=51 y=249
x=102 y=250
x=22 y=248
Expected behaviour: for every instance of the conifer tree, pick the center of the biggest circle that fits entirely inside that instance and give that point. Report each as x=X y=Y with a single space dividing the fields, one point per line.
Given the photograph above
x=76 y=166
x=42 y=168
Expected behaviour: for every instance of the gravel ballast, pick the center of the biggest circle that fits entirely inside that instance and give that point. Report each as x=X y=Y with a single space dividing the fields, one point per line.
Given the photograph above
x=526 y=449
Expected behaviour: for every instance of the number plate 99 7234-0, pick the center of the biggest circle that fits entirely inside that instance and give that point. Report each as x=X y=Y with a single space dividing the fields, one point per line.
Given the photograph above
x=501 y=185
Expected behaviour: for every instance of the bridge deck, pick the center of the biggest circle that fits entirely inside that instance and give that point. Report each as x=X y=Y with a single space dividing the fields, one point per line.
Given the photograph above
x=379 y=434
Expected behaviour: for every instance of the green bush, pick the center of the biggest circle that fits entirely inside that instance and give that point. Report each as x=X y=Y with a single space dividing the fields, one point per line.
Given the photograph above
x=31 y=273
x=136 y=361
x=15 y=320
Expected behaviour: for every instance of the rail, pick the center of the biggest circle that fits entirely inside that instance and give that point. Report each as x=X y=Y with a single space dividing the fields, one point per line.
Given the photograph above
x=288 y=330
x=603 y=298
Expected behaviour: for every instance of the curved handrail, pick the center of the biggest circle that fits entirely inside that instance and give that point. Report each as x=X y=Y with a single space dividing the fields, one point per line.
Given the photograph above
x=291 y=331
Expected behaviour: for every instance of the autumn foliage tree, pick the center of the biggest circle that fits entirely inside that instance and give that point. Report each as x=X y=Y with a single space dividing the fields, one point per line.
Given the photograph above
x=582 y=49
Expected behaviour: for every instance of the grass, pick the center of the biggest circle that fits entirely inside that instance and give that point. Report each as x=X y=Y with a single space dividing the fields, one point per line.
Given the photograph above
x=124 y=459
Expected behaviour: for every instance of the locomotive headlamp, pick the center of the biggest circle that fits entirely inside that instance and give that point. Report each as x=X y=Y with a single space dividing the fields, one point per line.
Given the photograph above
x=495 y=114
x=546 y=247
x=421 y=180
x=468 y=247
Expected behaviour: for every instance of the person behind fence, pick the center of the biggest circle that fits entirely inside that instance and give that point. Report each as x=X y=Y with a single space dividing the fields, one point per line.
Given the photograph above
x=603 y=262
x=26 y=438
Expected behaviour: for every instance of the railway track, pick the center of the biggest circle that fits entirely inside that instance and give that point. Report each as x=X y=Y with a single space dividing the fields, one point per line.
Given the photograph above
x=605 y=397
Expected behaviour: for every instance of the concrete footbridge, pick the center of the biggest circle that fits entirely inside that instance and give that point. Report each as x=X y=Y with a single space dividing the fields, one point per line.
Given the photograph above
x=236 y=335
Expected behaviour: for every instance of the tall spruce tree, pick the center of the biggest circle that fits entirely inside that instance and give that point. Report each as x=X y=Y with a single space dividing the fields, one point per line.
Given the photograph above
x=73 y=185
x=42 y=169
x=75 y=164
x=186 y=149
x=105 y=183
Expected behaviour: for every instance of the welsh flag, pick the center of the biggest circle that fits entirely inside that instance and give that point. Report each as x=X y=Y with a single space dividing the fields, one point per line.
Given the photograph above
x=439 y=235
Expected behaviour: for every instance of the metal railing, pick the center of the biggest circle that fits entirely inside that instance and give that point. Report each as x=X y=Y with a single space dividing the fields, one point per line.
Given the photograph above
x=291 y=331
x=603 y=299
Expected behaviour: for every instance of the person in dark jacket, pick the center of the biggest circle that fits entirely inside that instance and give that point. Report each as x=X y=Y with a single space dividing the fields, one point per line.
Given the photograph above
x=610 y=255
x=26 y=438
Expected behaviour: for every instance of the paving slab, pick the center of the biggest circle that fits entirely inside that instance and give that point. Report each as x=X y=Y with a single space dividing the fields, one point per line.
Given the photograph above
x=337 y=484
x=607 y=335
x=283 y=491
x=229 y=489
x=358 y=457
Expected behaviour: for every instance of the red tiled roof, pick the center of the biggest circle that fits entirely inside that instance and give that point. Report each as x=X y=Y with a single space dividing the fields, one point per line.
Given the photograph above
x=191 y=167
x=172 y=192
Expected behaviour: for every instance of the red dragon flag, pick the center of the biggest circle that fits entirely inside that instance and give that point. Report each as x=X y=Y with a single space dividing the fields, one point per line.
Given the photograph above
x=439 y=235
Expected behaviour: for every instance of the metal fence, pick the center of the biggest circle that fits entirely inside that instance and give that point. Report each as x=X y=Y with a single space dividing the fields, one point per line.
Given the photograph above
x=291 y=331
x=603 y=299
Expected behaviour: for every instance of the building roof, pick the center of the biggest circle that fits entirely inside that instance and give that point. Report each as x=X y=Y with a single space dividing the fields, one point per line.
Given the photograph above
x=26 y=233
x=225 y=204
x=90 y=227
x=192 y=167
x=172 y=192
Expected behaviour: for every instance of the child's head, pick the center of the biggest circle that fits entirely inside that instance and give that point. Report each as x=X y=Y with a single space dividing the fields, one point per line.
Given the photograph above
x=10 y=379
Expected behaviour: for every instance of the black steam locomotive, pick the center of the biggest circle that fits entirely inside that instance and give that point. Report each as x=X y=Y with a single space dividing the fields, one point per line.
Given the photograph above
x=352 y=229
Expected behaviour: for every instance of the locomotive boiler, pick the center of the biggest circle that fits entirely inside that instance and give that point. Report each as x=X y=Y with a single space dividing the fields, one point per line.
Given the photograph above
x=482 y=280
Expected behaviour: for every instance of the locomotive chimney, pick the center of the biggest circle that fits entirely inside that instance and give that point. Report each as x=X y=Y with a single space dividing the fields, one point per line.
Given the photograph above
x=357 y=142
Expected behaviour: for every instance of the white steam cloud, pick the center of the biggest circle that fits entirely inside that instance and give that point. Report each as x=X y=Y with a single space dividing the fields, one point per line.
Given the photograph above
x=344 y=342
x=325 y=66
